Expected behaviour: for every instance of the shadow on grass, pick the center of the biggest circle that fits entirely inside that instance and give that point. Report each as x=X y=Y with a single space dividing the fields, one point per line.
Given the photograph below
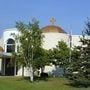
x=36 y=79
x=77 y=85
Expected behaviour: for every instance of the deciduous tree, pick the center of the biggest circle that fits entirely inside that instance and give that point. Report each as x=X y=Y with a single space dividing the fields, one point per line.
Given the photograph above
x=30 y=40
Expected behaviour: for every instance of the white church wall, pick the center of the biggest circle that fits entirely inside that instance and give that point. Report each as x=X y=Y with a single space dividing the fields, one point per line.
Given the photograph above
x=76 y=40
x=51 y=39
x=0 y=65
x=26 y=71
x=1 y=45
x=9 y=33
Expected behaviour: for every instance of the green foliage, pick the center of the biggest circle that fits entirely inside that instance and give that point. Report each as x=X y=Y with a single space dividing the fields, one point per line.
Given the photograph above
x=29 y=41
x=41 y=58
x=60 y=55
x=81 y=59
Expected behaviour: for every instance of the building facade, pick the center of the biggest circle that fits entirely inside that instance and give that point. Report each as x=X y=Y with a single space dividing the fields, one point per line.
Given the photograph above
x=52 y=34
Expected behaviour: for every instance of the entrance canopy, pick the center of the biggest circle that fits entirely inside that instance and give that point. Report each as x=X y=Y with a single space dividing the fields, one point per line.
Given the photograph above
x=3 y=54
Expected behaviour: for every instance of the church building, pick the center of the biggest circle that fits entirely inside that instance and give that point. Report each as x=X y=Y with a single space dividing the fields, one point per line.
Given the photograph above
x=52 y=34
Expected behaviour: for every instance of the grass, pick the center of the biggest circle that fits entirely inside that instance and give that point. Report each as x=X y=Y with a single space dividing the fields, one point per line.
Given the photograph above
x=17 y=83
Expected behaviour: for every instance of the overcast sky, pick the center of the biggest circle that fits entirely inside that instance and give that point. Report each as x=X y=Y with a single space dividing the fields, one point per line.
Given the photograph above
x=69 y=14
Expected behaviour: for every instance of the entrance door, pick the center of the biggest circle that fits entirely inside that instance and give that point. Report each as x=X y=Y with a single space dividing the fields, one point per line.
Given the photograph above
x=9 y=67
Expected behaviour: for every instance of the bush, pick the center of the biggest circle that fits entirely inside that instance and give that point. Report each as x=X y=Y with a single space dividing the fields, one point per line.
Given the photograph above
x=81 y=82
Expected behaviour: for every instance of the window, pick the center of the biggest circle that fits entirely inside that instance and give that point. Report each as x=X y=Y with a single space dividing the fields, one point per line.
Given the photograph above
x=10 y=45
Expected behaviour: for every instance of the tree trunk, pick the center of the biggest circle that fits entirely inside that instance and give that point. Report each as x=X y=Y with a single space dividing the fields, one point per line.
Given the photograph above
x=31 y=74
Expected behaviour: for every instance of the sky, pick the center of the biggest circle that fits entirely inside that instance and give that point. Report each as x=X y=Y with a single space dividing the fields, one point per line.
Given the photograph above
x=71 y=15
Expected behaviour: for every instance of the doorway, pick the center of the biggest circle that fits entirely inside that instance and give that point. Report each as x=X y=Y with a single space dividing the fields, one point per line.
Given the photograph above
x=9 y=67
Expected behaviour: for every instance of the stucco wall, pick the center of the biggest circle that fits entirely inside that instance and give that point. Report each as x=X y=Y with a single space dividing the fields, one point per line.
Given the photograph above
x=50 y=41
x=0 y=65
x=9 y=34
x=76 y=40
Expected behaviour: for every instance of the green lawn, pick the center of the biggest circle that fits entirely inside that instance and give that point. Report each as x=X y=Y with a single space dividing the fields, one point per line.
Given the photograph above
x=17 y=83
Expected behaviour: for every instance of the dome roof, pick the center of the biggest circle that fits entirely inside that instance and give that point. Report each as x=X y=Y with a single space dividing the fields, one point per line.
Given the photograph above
x=52 y=29
x=1 y=49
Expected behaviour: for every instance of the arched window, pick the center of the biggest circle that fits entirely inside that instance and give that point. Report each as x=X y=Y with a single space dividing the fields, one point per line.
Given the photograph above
x=10 y=45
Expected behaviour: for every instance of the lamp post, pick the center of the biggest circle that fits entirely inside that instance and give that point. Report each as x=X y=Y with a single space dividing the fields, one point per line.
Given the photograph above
x=70 y=42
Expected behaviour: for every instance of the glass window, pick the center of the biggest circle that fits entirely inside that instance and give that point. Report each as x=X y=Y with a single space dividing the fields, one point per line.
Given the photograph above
x=10 y=45
x=10 y=41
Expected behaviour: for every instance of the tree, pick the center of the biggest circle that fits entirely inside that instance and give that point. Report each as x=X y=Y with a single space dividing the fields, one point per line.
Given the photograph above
x=61 y=55
x=30 y=39
x=80 y=66
x=41 y=59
